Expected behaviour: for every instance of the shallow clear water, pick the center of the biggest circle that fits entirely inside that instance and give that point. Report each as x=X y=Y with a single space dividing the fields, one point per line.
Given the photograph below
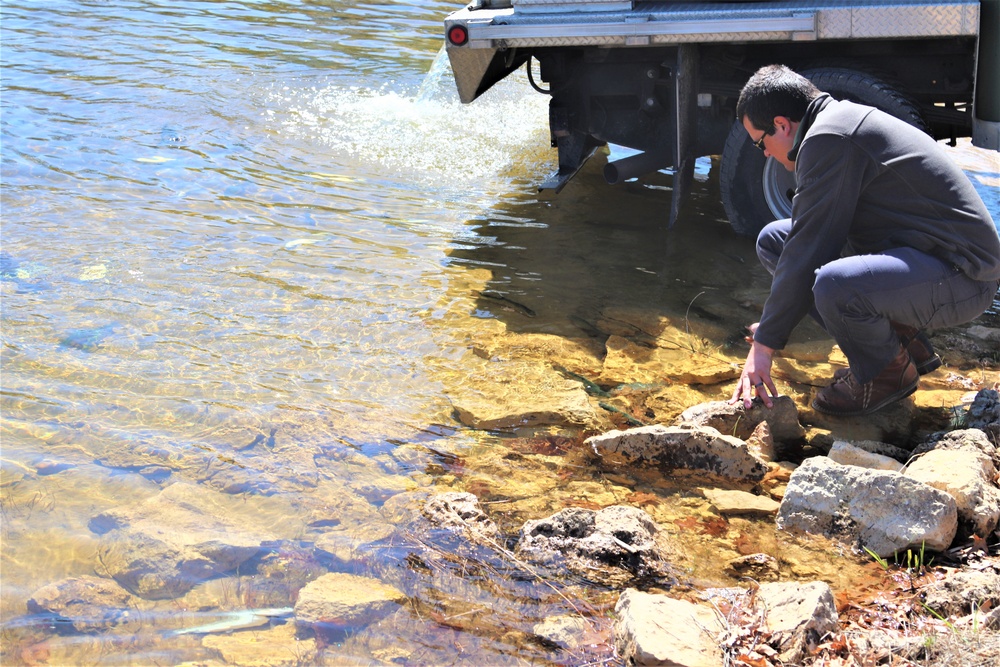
x=241 y=247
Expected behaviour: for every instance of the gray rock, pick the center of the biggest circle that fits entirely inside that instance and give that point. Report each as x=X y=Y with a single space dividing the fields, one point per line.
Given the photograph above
x=798 y=616
x=611 y=542
x=658 y=630
x=339 y=600
x=735 y=420
x=963 y=463
x=964 y=591
x=984 y=413
x=89 y=603
x=165 y=546
x=970 y=438
x=879 y=510
x=967 y=476
x=700 y=449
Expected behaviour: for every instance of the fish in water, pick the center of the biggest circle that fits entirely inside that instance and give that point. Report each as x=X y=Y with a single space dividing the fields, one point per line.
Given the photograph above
x=236 y=620
x=507 y=304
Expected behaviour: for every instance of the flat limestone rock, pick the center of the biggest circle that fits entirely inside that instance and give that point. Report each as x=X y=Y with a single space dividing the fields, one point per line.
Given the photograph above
x=626 y=362
x=273 y=647
x=345 y=600
x=165 y=546
x=89 y=603
x=512 y=394
x=733 y=502
x=847 y=454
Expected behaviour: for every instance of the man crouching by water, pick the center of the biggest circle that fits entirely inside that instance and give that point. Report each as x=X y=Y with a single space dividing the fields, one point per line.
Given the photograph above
x=887 y=238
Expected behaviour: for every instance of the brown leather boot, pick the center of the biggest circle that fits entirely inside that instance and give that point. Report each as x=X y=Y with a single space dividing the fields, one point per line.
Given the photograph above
x=917 y=344
x=846 y=397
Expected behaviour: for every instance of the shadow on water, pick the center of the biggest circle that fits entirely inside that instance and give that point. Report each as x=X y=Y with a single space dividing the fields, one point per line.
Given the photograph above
x=558 y=260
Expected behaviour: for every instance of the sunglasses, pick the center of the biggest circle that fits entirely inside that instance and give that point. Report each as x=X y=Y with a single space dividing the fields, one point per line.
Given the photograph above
x=760 y=142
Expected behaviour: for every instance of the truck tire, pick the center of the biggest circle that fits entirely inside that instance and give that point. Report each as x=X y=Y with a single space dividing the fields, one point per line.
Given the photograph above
x=756 y=190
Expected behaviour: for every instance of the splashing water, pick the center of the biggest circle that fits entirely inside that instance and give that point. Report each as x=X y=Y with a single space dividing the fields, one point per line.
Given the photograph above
x=427 y=136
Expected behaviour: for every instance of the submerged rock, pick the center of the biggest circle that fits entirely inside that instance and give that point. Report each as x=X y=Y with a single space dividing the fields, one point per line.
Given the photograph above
x=272 y=647
x=701 y=449
x=514 y=394
x=89 y=603
x=730 y=502
x=338 y=601
x=563 y=631
x=628 y=362
x=759 y=567
x=460 y=512
x=882 y=511
x=165 y=546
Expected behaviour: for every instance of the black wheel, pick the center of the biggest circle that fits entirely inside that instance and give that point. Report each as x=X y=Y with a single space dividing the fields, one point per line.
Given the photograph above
x=756 y=190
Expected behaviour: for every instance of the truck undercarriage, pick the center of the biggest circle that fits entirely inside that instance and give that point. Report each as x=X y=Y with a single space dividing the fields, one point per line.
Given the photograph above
x=663 y=77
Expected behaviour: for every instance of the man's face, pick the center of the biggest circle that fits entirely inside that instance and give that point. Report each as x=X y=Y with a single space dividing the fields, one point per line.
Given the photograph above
x=777 y=144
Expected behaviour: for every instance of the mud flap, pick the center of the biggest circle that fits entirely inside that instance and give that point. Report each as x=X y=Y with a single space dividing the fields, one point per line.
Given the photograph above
x=687 y=106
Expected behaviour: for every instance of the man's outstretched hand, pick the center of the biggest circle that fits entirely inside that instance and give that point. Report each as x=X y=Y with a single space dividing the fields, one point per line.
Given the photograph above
x=755 y=380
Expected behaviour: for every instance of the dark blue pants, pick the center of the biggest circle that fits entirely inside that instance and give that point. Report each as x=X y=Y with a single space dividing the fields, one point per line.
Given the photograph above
x=856 y=296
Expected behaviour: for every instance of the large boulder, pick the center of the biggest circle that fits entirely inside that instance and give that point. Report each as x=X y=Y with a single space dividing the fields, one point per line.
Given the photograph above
x=967 y=474
x=701 y=450
x=882 y=511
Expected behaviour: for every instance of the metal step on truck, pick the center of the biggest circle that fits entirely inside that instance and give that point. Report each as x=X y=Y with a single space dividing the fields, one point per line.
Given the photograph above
x=662 y=78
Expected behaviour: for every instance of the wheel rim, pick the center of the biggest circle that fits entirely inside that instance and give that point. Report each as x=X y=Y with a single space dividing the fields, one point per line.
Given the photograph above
x=777 y=183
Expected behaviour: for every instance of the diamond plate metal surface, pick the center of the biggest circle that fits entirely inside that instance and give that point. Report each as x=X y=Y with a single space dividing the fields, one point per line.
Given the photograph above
x=589 y=5
x=844 y=19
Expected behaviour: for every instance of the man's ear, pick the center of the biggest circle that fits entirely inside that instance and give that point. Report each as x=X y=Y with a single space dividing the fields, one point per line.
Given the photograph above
x=782 y=124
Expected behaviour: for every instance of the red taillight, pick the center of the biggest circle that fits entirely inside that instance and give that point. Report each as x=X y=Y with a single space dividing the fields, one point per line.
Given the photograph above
x=458 y=35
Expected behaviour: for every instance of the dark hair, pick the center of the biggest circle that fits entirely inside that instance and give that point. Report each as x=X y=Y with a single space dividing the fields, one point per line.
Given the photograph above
x=775 y=90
